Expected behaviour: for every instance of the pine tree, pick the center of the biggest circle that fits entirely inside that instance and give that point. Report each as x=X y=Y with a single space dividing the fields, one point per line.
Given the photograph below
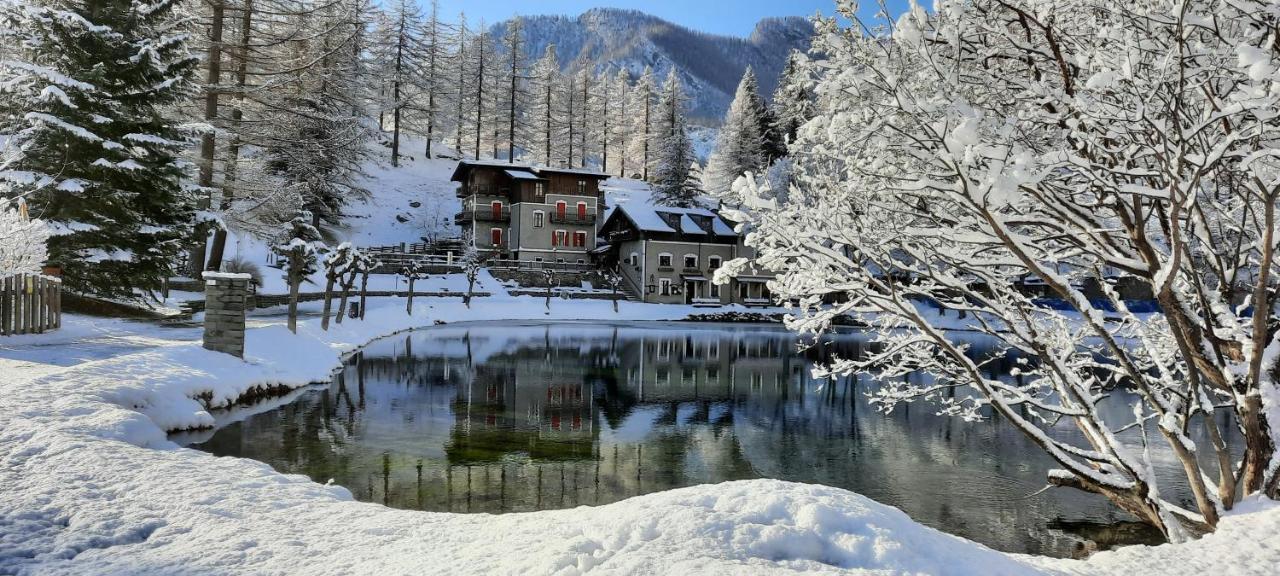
x=793 y=101
x=622 y=124
x=318 y=138
x=81 y=94
x=404 y=43
x=741 y=147
x=544 y=116
x=674 y=151
x=641 y=146
x=516 y=97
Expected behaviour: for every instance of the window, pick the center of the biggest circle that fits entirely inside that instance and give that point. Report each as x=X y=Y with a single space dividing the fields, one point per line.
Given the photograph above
x=496 y=236
x=559 y=260
x=713 y=262
x=580 y=239
x=539 y=217
x=664 y=260
x=715 y=290
x=635 y=259
x=559 y=238
x=538 y=259
x=581 y=261
x=582 y=187
x=664 y=286
x=539 y=189
x=690 y=260
x=713 y=374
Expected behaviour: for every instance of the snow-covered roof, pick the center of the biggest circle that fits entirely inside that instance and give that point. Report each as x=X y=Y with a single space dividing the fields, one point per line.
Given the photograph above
x=522 y=175
x=688 y=226
x=580 y=172
x=655 y=219
x=463 y=165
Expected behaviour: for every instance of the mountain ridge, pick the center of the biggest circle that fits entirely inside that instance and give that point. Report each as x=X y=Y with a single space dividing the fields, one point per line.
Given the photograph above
x=709 y=65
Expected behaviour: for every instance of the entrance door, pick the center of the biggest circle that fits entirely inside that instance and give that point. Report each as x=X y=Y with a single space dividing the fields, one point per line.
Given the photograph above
x=690 y=291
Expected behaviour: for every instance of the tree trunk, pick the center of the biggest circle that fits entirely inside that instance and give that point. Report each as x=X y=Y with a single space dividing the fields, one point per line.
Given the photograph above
x=295 y=279
x=364 y=293
x=330 y=278
x=208 y=141
x=471 y=286
x=346 y=293
x=409 y=308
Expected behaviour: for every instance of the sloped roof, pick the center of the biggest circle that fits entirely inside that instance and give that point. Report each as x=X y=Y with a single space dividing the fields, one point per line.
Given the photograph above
x=650 y=219
x=522 y=175
x=577 y=171
x=463 y=165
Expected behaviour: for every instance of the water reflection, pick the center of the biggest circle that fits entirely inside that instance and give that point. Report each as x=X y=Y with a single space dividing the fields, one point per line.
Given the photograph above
x=531 y=417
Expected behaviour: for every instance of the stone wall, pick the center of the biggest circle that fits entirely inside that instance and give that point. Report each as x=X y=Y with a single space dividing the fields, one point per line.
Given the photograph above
x=226 y=297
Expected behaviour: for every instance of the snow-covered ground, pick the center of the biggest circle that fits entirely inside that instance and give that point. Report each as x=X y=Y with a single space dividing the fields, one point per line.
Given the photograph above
x=89 y=483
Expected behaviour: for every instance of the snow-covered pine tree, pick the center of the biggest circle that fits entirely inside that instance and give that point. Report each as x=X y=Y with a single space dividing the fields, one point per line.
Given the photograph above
x=793 y=100
x=480 y=63
x=600 y=106
x=318 y=141
x=515 y=99
x=403 y=47
x=673 y=152
x=582 y=88
x=544 y=117
x=741 y=146
x=622 y=125
x=435 y=76
x=641 y=105
x=460 y=93
x=81 y=96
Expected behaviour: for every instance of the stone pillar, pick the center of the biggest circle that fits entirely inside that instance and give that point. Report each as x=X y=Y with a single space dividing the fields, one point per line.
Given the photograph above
x=225 y=298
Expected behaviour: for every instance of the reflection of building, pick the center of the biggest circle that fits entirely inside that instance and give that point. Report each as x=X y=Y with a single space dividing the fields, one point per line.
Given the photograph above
x=536 y=406
x=711 y=366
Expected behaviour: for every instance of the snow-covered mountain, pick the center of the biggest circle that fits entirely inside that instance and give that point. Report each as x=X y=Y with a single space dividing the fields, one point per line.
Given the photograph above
x=710 y=65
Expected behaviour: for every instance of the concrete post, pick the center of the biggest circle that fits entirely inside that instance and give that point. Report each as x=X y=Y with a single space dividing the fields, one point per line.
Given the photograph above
x=225 y=298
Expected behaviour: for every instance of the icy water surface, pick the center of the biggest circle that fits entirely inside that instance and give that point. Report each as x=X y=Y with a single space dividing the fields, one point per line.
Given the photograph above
x=512 y=418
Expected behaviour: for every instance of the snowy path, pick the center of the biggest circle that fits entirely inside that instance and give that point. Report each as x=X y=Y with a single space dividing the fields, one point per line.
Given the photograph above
x=89 y=483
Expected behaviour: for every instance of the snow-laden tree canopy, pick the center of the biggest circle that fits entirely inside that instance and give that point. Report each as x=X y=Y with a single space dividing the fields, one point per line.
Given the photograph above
x=964 y=153
x=22 y=241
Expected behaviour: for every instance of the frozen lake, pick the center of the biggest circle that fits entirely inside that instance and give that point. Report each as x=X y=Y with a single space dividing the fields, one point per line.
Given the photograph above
x=529 y=416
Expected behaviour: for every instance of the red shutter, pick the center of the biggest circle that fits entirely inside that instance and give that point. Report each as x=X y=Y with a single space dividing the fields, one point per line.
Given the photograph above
x=496 y=236
x=560 y=209
x=582 y=211
x=555 y=238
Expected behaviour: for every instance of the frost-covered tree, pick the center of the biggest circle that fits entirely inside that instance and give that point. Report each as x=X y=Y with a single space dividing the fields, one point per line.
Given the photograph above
x=743 y=143
x=622 y=126
x=1075 y=143
x=545 y=118
x=22 y=240
x=472 y=262
x=83 y=90
x=515 y=97
x=412 y=272
x=298 y=249
x=401 y=44
x=793 y=100
x=641 y=104
x=674 y=150
x=318 y=137
x=338 y=263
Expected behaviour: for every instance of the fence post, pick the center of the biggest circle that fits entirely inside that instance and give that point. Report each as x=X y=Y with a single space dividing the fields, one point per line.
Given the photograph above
x=5 y=299
x=57 y=305
x=37 y=311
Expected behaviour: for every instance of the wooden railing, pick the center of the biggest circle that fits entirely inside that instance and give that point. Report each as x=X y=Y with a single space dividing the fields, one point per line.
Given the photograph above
x=30 y=304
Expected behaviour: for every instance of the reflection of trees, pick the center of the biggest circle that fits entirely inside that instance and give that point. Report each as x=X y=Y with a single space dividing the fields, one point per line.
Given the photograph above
x=524 y=418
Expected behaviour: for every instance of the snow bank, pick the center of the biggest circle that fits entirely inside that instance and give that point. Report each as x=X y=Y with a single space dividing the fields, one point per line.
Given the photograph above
x=89 y=484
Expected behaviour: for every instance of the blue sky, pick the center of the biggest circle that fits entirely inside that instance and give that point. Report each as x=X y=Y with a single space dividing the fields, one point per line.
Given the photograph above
x=730 y=17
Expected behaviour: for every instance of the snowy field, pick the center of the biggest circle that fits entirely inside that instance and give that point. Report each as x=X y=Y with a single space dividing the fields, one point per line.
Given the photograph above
x=89 y=484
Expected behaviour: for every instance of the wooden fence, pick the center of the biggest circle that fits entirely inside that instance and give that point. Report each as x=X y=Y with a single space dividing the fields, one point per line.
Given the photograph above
x=30 y=304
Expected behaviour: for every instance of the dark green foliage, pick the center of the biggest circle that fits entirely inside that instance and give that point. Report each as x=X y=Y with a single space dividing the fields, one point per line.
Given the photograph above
x=82 y=101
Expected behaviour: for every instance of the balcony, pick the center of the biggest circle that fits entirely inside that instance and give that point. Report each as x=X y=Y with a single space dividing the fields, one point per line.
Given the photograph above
x=483 y=215
x=575 y=218
x=465 y=191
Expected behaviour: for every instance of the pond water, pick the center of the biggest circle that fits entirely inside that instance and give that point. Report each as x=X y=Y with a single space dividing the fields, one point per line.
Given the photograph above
x=512 y=418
